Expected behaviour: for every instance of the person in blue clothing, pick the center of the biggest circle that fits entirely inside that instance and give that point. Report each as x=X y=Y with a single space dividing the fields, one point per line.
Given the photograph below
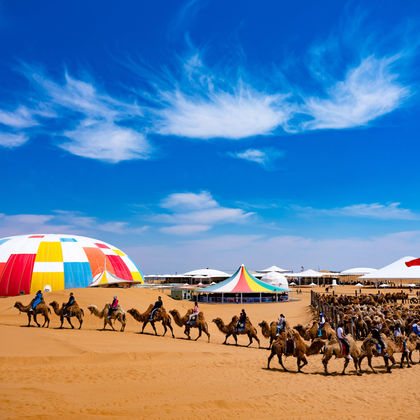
x=36 y=300
x=321 y=323
x=416 y=327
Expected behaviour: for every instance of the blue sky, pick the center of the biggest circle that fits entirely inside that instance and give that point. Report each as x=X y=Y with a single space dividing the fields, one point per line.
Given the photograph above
x=209 y=133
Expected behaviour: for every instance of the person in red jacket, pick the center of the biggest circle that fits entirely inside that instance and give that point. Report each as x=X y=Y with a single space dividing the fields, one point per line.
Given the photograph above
x=113 y=307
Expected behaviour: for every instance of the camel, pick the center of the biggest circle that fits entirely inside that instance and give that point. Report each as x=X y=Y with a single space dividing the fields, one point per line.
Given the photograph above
x=407 y=352
x=158 y=316
x=231 y=330
x=311 y=332
x=201 y=323
x=74 y=310
x=292 y=344
x=269 y=331
x=369 y=350
x=334 y=348
x=118 y=314
x=41 y=308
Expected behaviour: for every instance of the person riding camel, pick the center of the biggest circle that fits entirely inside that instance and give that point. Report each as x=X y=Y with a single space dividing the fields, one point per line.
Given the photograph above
x=194 y=315
x=156 y=307
x=343 y=339
x=381 y=347
x=36 y=300
x=113 y=307
x=69 y=304
x=398 y=333
x=321 y=323
x=281 y=324
x=241 y=321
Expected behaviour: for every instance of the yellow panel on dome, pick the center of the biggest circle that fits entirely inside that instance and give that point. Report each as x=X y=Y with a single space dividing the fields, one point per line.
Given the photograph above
x=118 y=252
x=136 y=276
x=49 y=252
x=103 y=280
x=40 y=280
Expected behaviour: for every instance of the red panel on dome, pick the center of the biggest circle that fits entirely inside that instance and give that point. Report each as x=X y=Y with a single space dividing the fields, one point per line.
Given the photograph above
x=242 y=285
x=36 y=236
x=17 y=274
x=102 y=246
x=121 y=270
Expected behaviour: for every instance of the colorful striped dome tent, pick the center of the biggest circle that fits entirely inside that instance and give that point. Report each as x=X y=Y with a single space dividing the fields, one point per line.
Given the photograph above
x=30 y=262
x=242 y=287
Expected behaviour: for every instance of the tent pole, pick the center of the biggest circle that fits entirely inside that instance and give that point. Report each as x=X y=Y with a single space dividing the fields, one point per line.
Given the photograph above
x=223 y=300
x=241 y=297
x=260 y=297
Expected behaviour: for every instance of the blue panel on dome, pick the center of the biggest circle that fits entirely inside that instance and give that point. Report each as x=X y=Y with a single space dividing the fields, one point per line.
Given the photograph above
x=77 y=274
x=2 y=241
x=68 y=240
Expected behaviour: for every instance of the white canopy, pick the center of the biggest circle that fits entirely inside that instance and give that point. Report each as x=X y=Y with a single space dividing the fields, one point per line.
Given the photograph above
x=106 y=278
x=397 y=270
x=273 y=268
x=307 y=273
x=359 y=285
x=384 y=285
x=207 y=272
x=312 y=284
x=358 y=271
x=276 y=279
x=292 y=283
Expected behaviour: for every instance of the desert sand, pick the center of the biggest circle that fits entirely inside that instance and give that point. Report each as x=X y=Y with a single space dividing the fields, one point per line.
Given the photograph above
x=87 y=374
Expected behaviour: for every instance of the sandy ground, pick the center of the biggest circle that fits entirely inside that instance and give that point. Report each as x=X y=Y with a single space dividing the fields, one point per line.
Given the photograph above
x=86 y=374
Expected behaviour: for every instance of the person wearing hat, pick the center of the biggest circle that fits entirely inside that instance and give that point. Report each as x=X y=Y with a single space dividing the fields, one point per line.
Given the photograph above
x=344 y=342
x=113 y=307
x=281 y=324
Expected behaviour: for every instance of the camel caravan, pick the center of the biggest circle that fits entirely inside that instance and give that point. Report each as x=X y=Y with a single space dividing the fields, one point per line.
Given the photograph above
x=352 y=328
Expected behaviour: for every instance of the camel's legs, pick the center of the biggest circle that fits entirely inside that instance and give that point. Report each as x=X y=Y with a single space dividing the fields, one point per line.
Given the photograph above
x=69 y=321
x=172 y=331
x=370 y=364
x=62 y=321
x=199 y=334
x=164 y=328
x=258 y=341
x=388 y=367
x=144 y=325
x=45 y=321
x=235 y=338
x=80 y=321
x=29 y=319
x=304 y=363
x=356 y=365
x=281 y=362
x=227 y=336
x=152 y=323
x=346 y=363
x=325 y=363
x=270 y=357
x=250 y=339
x=36 y=322
x=208 y=335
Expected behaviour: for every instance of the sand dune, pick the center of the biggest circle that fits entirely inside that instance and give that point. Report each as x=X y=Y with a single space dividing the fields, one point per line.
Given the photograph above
x=51 y=373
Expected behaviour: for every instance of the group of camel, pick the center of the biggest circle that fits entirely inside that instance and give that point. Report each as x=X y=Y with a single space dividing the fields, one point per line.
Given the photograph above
x=299 y=342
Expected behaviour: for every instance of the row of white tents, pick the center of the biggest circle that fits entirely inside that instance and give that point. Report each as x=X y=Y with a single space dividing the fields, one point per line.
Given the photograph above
x=406 y=271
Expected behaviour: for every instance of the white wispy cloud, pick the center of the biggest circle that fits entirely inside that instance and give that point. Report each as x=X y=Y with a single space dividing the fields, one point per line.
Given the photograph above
x=192 y=213
x=21 y=117
x=62 y=221
x=11 y=140
x=264 y=157
x=391 y=211
x=369 y=90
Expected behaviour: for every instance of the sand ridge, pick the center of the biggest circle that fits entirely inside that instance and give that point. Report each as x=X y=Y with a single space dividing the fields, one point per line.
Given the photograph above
x=50 y=373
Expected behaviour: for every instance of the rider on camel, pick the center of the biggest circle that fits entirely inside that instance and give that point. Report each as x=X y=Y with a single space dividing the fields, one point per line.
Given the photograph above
x=194 y=314
x=377 y=336
x=69 y=304
x=156 y=307
x=343 y=340
x=241 y=321
x=281 y=324
x=113 y=307
x=321 y=323
x=36 y=300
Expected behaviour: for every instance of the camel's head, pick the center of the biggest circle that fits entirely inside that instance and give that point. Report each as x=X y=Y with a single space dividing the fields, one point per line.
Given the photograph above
x=263 y=324
x=17 y=305
x=132 y=311
x=53 y=304
x=92 y=308
x=217 y=320
x=173 y=312
x=235 y=319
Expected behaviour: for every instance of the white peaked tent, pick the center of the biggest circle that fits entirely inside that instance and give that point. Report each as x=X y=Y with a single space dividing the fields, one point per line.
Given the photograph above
x=207 y=272
x=105 y=278
x=406 y=268
x=271 y=269
x=358 y=271
x=275 y=279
